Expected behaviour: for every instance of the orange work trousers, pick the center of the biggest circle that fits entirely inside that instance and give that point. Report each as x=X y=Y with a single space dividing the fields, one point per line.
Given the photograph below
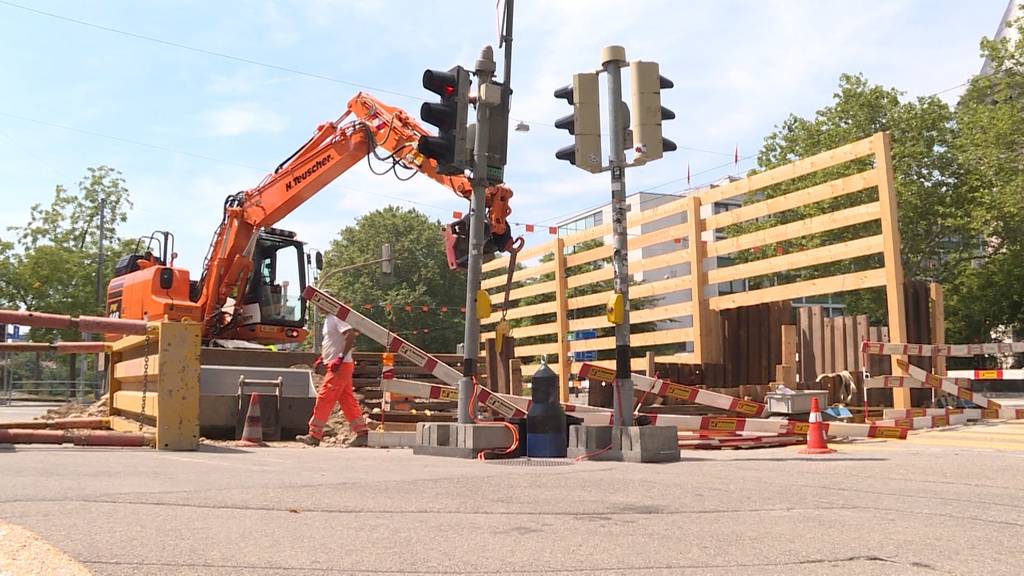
x=336 y=387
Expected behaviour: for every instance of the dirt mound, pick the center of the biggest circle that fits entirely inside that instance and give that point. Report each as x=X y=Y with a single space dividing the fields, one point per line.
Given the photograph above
x=97 y=409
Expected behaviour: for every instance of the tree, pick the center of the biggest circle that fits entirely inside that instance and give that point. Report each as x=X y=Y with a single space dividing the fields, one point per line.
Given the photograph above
x=986 y=295
x=421 y=277
x=935 y=230
x=49 y=264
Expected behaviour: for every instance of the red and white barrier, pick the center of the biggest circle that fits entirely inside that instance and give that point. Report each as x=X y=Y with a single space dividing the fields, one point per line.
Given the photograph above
x=925 y=422
x=958 y=350
x=947 y=385
x=969 y=413
x=762 y=425
x=669 y=389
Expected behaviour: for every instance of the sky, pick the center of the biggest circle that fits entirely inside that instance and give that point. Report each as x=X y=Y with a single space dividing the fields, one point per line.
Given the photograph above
x=187 y=126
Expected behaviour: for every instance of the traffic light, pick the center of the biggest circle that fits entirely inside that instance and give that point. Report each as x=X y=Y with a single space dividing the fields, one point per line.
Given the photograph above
x=448 y=148
x=648 y=113
x=584 y=123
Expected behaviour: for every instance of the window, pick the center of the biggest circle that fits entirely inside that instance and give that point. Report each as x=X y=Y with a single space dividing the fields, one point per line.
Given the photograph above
x=584 y=223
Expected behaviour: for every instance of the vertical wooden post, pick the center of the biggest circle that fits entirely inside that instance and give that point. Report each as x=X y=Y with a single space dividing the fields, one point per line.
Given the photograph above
x=818 y=340
x=892 y=255
x=938 y=312
x=515 y=377
x=650 y=364
x=177 y=418
x=707 y=341
x=491 y=364
x=562 y=318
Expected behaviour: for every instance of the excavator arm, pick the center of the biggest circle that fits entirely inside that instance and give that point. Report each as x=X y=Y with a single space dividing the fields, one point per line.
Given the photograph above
x=334 y=148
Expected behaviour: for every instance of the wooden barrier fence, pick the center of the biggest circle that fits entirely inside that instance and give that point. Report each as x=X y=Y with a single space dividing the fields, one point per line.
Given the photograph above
x=566 y=290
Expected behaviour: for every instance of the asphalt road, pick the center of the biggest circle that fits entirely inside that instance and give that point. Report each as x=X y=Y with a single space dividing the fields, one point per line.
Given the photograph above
x=942 y=503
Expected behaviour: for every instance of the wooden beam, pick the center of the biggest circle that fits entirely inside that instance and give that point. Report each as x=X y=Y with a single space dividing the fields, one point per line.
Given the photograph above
x=792 y=170
x=819 y=341
x=645 y=290
x=816 y=287
x=797 y=260
x=698 y=281
x=519 y=275
x=562 y=317
x=818 y=193
x=599 y=253
x=521 y=312
x=938 y=316
x=526 y=254
x=893 y=262
x=814 y=224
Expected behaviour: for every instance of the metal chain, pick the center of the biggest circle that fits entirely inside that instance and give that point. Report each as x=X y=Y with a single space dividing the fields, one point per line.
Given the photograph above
x=145 y=379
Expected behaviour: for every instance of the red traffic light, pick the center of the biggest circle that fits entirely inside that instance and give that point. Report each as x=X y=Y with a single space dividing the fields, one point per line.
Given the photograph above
x=444 y=84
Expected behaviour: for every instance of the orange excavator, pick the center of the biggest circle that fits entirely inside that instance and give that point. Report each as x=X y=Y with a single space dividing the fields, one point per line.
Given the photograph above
x=254 y=274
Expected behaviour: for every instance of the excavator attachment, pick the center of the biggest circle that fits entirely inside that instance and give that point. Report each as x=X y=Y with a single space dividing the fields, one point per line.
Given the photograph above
x=456 y=243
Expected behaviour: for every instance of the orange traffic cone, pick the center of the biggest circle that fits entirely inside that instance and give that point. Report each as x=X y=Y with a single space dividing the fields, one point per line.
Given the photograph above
x=816 y=443
x=252 y=432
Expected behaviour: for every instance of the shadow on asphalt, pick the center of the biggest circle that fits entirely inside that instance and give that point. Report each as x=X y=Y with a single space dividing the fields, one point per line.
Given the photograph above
x=809 y=459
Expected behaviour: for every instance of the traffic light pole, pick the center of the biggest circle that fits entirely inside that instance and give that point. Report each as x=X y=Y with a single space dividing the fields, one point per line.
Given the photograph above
x=484 y=74
x=614 y=57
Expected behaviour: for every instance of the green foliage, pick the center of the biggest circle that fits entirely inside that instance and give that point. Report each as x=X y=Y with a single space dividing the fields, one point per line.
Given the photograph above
x=421 y=277
x=986 y=293
x=49 y=264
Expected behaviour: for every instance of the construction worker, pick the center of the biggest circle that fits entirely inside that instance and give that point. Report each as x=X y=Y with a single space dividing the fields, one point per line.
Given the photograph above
x=336 y=357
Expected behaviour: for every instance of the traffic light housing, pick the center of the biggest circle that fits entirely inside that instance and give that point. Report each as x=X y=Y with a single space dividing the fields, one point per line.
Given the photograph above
x=584 y=123
x=449 y=115
x=648 y=113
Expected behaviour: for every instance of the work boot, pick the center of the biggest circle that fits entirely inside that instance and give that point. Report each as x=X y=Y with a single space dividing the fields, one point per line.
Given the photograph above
x=359 y=441
x=308 y=439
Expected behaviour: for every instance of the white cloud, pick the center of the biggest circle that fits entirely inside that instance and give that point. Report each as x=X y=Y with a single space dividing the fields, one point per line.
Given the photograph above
x=246 y=118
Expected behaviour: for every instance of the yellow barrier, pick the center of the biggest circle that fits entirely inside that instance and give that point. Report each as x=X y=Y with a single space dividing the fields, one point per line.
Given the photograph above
x=154 y=379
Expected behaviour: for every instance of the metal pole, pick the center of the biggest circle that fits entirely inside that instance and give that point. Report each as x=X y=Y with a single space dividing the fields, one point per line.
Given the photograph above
x=99 y=259
x=471 y=342
x=613 y=58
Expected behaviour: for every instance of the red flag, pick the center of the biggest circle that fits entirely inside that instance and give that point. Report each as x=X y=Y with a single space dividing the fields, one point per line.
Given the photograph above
x=368 y=306
x=529 y=227
x=408 y=307
x=444 y=309
x=553 y=230
x=687 y=173
x=425 y=308
x=462 y=309
x=387 y=307
x=736 y=156
x=457 y=215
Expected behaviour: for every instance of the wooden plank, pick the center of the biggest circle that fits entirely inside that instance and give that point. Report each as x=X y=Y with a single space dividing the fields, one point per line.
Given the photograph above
x=838 y=343
x=773 y=339
x=562 y=317
x=638 y=364
x=532 y=290
x=669 y=312
x=518 y=275
x=755 y=338
x=863 y=333
x=538 y=349
x=936 y=297
x=797 y=260
x=874 y=360
x=828 y=337
x=818 y=193
x=515 y=374
x=818 y=326
x=132 y=370
x=698 y=277
x=534 y=330
x=806 y=364
x=814 y=224
x=657 y=337
x=645 y=290
x=816 y=287
x=603 y=273
x=893 y=262
x=592 y=255
x=743 y=346
x=788 y=343
x=792 y=170
x=526 y=254
x=521 y=312
x=850 y=342
x=660 y=261
x=130 y=401
x=491 y=363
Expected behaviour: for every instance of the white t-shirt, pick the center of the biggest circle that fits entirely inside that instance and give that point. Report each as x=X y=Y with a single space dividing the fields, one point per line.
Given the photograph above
x=334 y=339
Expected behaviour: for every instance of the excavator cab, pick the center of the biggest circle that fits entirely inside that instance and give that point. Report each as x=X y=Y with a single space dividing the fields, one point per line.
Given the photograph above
x=272 y=308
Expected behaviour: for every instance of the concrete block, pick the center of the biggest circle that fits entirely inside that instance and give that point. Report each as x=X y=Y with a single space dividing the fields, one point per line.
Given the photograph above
x=648 y=444
x=585 y=439
x=378 y=439
x=482 y=436
x=435 y=434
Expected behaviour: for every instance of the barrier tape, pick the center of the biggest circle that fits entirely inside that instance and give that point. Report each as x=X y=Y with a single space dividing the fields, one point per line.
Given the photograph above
x=959 y=350
x=669 y=389
x=947 y=385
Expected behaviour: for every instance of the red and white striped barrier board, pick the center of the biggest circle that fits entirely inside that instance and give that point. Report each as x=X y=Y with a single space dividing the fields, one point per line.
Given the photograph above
x=969 y=413
x=925 y=422
x=704 y=443
x=894 y=382
x=668 y=389
x=960 y=350
x=725 y=424
x=947 y=385
x=382 y=335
